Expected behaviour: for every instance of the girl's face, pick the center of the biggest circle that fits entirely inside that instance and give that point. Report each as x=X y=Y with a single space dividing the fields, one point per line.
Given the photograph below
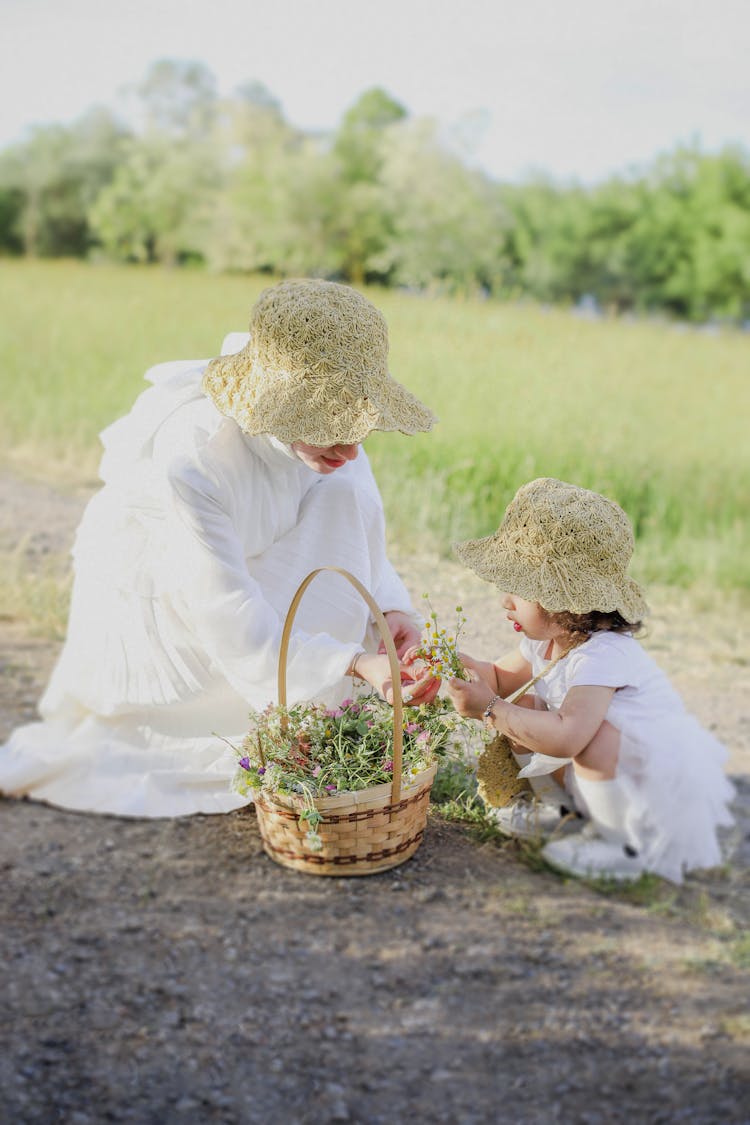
x=530 y=618
x=325 y=459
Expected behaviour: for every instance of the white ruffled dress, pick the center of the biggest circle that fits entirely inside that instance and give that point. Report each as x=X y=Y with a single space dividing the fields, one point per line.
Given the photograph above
x=185 y=564
x=671 y=767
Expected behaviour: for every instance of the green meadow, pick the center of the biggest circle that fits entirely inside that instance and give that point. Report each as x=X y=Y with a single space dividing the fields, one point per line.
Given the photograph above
x=655 y=415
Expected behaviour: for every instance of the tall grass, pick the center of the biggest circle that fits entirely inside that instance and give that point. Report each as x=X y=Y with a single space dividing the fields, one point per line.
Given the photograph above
x=655 y=416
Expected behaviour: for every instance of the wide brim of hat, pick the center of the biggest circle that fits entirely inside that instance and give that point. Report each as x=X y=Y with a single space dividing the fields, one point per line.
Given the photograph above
x=576 y=588
x=320 y=410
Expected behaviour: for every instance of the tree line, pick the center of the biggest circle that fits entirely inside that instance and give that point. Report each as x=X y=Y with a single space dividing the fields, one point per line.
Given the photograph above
x=230 y=184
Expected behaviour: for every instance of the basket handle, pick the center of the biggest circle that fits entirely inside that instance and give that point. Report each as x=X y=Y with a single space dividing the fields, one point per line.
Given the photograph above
x=390 y=648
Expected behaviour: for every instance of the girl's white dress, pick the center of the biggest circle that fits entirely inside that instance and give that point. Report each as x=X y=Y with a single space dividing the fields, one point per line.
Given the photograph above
x=185 y=565
x=671 y=767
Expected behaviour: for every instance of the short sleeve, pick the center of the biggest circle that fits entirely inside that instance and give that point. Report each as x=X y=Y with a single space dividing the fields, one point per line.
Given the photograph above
x=531 y=651
x=604 y=661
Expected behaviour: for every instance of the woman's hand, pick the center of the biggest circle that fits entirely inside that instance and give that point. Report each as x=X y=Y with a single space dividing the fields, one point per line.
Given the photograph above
x=424 y=684
x=422 y=689
x=375 y=669
x=403 y=630
x=469 y=697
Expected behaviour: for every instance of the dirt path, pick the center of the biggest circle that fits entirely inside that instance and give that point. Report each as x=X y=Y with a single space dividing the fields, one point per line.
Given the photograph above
x=166 y=971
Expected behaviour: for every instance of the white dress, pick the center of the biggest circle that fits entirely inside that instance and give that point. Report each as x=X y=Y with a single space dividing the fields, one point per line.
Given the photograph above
x=185 y=564
x=671 y=767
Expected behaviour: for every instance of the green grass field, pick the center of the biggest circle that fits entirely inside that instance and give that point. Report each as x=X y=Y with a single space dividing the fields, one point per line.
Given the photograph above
x=653 y=415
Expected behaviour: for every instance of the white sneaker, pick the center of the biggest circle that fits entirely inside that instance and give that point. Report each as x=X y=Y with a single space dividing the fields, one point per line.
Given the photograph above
x=528 y=819
x=590 y=857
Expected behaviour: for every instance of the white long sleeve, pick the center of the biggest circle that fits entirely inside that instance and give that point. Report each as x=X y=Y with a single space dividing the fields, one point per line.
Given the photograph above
x=227 y=610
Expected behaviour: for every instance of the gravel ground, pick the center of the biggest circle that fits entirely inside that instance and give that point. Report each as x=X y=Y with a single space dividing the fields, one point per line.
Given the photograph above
x=167 y=971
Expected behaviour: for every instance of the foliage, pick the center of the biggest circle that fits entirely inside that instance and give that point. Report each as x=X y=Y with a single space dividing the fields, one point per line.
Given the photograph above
x=50 y=183
x=156 y=206
x=230 y=183
x=316 y=751
x=342 y=749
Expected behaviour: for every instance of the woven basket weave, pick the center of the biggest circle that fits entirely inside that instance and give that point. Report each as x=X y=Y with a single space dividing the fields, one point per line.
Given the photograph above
x=497 y=769
x=362 y=832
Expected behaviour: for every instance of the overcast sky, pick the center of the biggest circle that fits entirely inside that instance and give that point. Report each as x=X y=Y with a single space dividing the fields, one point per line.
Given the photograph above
x=578 y=88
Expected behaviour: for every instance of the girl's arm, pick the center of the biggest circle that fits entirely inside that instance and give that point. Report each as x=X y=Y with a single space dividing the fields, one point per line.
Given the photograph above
x=562 y=734
x=512 y=671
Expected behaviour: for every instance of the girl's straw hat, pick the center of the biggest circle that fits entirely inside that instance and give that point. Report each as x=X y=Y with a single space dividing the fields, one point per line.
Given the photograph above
x=561 y=546
x=315 y=370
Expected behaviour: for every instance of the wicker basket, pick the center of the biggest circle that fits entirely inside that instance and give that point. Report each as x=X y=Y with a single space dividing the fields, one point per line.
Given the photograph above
x=362 y=832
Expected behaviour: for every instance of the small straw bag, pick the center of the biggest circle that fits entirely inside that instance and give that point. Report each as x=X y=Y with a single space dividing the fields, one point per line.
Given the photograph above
x=497 y=769
x=365 y=831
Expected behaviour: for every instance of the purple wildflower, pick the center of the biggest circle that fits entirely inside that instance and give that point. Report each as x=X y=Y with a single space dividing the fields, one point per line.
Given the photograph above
x=331 y=788
x=244 y=763
x=261 y=770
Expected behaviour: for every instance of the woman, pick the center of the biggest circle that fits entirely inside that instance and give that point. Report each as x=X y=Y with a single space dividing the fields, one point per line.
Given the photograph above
x=223 y=487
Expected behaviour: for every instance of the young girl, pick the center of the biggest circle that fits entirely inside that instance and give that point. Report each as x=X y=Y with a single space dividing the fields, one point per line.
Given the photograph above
x=605 y=720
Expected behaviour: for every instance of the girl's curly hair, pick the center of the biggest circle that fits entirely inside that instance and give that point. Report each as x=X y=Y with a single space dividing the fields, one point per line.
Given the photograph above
x=582 y=625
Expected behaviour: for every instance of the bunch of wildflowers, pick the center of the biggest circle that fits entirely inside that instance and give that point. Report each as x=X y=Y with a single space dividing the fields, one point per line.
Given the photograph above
x=439 y=648
x=326 y=751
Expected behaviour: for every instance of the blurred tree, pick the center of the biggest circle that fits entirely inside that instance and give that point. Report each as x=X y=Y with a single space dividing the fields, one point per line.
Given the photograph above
x=158 y=205
x=53 y=179
x=358 y=209
x=358 y=140
x=179 y=99
x=385 y=198
x=261 y=157
x=444 y=223
x=688 y=250
x=11 y=210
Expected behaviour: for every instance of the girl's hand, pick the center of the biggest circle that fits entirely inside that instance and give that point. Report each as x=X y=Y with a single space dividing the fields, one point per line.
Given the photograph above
x=469 y=697
x=483 y=670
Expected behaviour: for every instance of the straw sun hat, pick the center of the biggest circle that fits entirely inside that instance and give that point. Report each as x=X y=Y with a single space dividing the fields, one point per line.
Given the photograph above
x=561 y=546
x=315 y=370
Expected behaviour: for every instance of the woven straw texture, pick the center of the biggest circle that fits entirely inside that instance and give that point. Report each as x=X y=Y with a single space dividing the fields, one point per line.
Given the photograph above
x=362 y=833
x=497 y=773
x=562 y=546
x=315 y=370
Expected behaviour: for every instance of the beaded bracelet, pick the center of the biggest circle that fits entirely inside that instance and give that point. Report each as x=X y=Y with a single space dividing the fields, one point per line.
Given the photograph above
x=487 y=715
